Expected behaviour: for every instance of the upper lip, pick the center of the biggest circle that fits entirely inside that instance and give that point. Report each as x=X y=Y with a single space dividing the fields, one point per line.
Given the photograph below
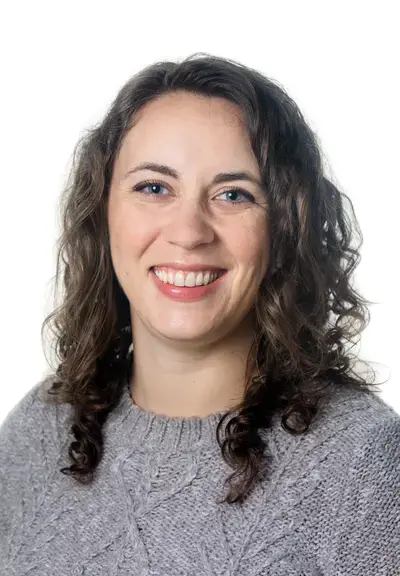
x=188 y=267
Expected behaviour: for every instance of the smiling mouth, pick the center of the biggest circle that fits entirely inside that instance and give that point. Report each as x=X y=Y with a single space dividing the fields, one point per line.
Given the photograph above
x=187 y=278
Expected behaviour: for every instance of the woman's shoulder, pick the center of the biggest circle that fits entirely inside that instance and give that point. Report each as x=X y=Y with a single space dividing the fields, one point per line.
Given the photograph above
x=30 y=450
x=357 y=443
x=354 y=412
x=339 y=481
x=359 y=428
x=347 y=421
x=35 y=427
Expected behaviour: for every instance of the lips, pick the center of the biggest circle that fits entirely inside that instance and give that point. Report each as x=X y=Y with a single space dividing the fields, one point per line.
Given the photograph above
x=184 y=287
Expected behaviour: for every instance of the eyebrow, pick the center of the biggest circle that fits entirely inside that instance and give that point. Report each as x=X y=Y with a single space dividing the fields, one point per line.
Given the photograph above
x=168 y=171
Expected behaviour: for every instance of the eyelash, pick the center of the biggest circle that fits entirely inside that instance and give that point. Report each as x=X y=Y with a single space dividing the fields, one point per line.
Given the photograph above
x=143 y=185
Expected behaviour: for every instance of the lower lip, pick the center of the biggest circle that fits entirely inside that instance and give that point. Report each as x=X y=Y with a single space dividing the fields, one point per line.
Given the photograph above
x=186 y=293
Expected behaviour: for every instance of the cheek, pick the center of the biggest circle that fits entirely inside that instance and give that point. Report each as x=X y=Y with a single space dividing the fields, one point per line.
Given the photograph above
x=250 y=245
x=130 y=232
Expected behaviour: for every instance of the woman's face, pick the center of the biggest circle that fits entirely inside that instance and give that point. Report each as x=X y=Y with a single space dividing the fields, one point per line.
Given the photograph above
x=185 y=226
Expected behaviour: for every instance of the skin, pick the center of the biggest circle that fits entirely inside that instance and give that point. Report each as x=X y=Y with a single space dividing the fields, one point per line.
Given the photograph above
x=189 y=357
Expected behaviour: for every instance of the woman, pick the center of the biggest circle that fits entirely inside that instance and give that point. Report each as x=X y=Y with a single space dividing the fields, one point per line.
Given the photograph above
x=201 y=343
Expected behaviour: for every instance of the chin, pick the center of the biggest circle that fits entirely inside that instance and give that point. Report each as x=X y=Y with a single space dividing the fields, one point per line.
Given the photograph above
x=184 y=333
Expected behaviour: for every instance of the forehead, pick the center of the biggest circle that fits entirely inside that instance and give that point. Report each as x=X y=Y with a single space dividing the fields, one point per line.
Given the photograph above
x=181 y=127
x=189 y=107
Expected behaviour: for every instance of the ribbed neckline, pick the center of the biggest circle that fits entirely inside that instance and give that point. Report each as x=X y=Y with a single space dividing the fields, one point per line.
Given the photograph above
x=153 y=431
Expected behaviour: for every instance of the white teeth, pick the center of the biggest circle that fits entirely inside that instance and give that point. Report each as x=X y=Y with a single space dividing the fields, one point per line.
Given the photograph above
x=189 y=279
x=179 y=279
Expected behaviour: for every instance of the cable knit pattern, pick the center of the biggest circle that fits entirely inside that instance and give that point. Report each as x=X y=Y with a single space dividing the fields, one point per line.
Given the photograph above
x=328 y=505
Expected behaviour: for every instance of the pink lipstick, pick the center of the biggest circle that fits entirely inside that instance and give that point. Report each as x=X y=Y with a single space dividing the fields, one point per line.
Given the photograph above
x=187 y=293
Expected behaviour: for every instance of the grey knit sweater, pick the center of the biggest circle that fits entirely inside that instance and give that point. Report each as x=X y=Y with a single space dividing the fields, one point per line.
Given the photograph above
x=329 y=504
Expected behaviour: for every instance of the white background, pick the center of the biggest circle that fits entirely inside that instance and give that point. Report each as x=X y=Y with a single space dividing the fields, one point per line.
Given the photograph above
x=62 y=63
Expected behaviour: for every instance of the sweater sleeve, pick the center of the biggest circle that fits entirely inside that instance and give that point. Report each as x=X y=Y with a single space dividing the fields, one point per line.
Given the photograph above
x=28 y=440
x=366 y=538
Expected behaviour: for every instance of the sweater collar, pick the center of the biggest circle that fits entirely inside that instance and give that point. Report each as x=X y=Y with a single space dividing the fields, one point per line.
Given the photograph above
x=128 y=424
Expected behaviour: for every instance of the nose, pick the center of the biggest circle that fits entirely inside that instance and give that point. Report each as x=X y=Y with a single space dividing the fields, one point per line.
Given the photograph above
x=188 y=225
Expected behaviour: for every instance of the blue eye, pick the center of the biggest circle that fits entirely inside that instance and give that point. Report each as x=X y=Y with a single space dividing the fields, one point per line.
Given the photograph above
x=233 y=194
x=154 y=186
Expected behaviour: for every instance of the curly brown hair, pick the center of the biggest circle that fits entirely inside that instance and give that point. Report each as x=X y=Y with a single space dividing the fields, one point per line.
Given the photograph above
x=306 y=310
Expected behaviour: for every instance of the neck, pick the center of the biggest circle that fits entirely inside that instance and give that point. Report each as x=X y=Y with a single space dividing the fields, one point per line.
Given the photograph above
x=189 y=381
